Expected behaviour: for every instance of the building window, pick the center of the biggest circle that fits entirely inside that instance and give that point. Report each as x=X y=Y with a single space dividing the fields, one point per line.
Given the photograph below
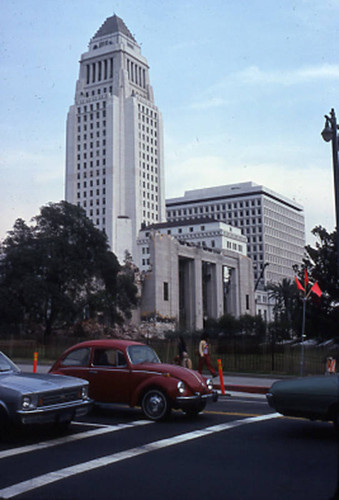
x=165 y=290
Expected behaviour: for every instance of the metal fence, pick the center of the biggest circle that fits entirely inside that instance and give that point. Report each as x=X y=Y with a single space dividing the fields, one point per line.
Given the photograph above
x=236 y=356
x=239 y=357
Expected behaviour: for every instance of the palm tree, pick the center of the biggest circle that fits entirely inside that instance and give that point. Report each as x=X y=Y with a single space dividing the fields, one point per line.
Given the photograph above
x=285 y=297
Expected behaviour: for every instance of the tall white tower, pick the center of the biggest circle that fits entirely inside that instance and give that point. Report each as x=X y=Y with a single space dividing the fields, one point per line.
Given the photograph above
x=114 y=146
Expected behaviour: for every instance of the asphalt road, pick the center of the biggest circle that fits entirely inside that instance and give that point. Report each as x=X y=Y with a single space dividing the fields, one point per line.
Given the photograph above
x=237 y=449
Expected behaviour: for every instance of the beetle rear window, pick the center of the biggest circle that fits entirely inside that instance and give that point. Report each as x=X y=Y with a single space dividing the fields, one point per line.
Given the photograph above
x=142 y=354
x=79 y=357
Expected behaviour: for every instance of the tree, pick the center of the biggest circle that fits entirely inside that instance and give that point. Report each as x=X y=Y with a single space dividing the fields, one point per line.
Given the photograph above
x=285 y=306
x=60 y=266
x=228 y=325
x=321 y=265
x=252 y=325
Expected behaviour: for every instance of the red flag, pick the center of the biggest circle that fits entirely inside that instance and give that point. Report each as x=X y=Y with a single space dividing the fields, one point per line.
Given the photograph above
x=299 y=285
x=315 y=289
x=306 y=278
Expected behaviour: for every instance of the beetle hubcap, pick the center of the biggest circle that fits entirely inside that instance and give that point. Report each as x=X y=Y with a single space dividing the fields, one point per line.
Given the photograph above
x=155 y=405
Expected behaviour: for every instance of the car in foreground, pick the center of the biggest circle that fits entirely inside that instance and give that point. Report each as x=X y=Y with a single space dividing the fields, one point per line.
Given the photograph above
x=120 y=371
x=315 y=398
x=32 y=398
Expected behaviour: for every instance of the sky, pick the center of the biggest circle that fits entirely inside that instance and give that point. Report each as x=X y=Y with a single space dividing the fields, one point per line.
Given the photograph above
x=243 y=87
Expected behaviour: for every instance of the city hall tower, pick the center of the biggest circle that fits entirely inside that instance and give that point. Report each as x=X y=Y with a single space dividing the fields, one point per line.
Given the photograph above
x=114 y=144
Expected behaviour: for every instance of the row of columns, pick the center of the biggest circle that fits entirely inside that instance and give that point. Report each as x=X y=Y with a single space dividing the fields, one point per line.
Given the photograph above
x=203 y=290
x=136 y=73
x=99 y=71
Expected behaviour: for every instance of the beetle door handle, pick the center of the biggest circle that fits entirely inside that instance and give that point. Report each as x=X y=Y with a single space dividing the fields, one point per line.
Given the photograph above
x=93 y=372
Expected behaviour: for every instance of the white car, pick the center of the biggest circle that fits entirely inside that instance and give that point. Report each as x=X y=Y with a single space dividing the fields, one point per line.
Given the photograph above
x=31 y=398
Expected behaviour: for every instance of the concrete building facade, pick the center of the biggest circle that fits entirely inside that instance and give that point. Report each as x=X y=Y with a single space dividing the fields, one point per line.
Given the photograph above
x=114 y=146
x=201 y=232
x=187 y=284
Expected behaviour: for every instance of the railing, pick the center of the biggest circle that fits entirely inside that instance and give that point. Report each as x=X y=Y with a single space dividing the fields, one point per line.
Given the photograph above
x=236 y=356
x=260 y=359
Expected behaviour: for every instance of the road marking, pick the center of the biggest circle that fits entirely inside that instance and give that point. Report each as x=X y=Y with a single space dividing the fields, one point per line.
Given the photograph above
x=89 y=424
x=249 y=400
x=52 y=477
x=68 y=439
x=233 y=414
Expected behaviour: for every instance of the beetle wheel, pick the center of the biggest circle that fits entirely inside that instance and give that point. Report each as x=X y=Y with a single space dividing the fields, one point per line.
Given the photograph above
x=155 y=405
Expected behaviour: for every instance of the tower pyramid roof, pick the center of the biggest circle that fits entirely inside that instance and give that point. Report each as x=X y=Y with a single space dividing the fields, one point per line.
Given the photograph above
x=113 y=24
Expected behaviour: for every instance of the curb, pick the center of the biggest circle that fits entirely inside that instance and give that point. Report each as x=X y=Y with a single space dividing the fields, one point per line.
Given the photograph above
x=252 y=389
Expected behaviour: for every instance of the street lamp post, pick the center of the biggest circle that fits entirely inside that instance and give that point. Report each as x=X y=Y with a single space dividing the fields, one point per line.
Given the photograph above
x=303 y=338
x=330 y=133
x=261 y=275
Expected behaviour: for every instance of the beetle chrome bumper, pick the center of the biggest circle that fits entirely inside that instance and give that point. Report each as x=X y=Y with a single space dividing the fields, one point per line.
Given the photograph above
x=195 y=400
x=61 y=412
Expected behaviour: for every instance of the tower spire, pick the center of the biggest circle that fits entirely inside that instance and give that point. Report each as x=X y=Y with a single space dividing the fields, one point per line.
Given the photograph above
x=113 y=24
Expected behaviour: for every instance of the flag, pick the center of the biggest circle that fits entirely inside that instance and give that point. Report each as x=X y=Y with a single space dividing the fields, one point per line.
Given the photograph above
x=315 y=289
x=306 y=278
x=299 y=285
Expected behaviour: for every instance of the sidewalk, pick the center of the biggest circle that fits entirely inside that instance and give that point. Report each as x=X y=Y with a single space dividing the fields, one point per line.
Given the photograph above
x=251 y=384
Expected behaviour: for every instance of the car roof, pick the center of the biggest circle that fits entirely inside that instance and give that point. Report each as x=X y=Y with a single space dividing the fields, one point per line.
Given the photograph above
x=117 y=343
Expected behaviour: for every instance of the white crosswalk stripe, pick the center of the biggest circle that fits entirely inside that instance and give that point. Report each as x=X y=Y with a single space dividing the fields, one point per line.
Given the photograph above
x=68 y=439
x=67 y=472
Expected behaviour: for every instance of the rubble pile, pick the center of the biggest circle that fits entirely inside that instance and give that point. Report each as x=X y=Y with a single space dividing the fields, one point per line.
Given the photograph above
x=128 y=331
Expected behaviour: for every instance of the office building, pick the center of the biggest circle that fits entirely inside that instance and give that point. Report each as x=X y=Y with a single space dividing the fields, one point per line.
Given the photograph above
x=273 y=224
x=114 y=150
x=200 y=263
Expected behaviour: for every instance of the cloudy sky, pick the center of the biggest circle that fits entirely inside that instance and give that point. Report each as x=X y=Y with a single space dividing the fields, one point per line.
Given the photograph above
x=243 y=86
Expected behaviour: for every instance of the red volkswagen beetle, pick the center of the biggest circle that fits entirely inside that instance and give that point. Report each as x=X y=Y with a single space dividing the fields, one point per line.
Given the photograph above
x=120 y=371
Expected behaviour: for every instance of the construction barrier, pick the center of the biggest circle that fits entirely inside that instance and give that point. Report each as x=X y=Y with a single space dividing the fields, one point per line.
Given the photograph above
x=330 y=365
x=35 y=362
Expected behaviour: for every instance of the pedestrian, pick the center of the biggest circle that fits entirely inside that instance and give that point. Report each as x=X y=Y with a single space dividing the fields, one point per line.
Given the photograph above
x=183 y=358
x=204 y=357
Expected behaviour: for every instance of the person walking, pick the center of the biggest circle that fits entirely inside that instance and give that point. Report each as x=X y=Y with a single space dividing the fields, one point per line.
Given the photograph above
x=204 y=356
x=183 y=358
